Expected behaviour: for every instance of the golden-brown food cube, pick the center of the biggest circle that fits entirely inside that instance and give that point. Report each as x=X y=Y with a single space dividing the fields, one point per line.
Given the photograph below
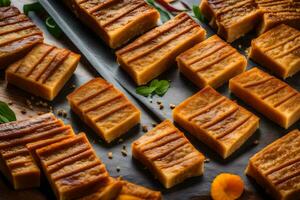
x=278 y=50
x=74 y=170
x=18 y=34
x=277 y=167
x=217 y=121
x=115 y=21
x=43 y=71
x=154 y=52
x=277 y=12
x=17 y=162
x=132 y=191
x=104 y=108
x=269 y=95
x=232 y=19
x=168 y=154
x=211 y=62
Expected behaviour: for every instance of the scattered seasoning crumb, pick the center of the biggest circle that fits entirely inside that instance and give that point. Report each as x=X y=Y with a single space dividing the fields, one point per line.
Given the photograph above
x=121 y=140
x=118 y=169
x=124 y=152
x=23 y=111
x=110 y=155
x=150 y=101
x=256 y=142
x=73 y=86
x=145 y=128
x=59 y=113
x=240 y=46
x=158 y=102
x=172 y=106
x=207 y=160
x=93 y=141
x=45 y=104
x=153 y=124
x=32 y=97
x=10 y=103
x=124 y=147
x=40 y=113
x=161 y=106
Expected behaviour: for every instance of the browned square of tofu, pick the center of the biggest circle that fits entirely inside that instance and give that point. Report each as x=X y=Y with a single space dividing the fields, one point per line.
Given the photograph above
x=277 y=167
x=211 y=62
x=43 y=71
x=269 y=95
x=168 y=154
x=278 y=50
x=18 y=141
x=104 y=108
x=232 y=19
x=217 y=121
x=74 y=170
x=154 y=52
x=131 y=191
x=18 y=34
x=116 y=21
x=277 y=12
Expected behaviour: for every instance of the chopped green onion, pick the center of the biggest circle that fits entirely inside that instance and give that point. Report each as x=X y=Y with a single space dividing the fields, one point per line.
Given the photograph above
x=52 y=27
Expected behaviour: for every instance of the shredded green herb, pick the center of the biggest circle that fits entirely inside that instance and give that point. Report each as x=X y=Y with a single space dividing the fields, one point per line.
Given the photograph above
x=159 y=87
x=198 y=14
x=6 y=114
x=164 y=16
x=4 y=3
x=52 y=27
x=33 y=7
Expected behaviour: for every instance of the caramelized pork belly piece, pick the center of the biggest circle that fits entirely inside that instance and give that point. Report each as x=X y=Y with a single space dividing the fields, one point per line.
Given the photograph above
x=211 y=62
x=233 y=18
x=154 y=52
x=277 y=167
x=43 y=71
x=18 y=34
x=277 y=12
x=74 y=170
x=17 y=162
x=168 y=154
x=115 y=21
x=104 y=108
x=279 y=50
x=132 y=191
x=217 y=121
x=269 y=95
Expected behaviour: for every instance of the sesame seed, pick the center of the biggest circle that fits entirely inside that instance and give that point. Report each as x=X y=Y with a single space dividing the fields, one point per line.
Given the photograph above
x=172 y=106
x=124 y=152
x=110 y=155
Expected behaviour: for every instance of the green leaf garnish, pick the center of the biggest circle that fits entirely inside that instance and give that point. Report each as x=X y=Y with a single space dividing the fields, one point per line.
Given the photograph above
x=198 y=14
x=33 y=7
x=52 y=27
x=159 y=87
x=4 y=3
x=164 y=16
x=6 y=114
x=162 y=88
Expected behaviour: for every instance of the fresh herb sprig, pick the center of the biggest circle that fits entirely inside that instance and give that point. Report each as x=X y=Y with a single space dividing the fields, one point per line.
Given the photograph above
x=164 y=16
x=159 y=87
x=198 y=14
x=6 y=114
x=51 y=25
x=4 y=3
